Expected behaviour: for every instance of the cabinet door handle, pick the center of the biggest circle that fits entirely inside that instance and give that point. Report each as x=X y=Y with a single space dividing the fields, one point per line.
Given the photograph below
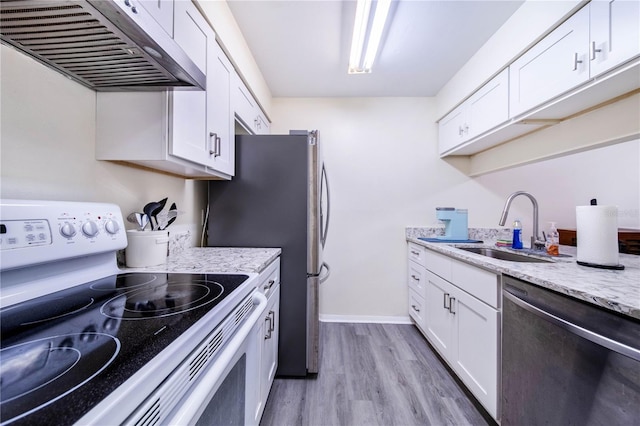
x=576 y=61
x=451 y=300
x=267 y=335
x=444 y=302
x=460 y=131
x=415 y=308
x=213 y=142
x=218 y=146
x=272 y=315
x=594 y=50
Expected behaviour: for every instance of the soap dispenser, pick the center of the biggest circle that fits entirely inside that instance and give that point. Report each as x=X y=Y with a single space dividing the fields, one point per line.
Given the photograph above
x=553 y=240
x=517 y=234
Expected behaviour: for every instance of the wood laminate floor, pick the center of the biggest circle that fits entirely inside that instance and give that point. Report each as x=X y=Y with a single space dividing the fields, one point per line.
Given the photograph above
x=372 y=374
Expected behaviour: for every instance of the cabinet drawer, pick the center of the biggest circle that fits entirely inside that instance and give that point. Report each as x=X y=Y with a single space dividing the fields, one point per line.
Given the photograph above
x=477 y=282
x=270 y=279
x=416 y=308
x=439 y=264
x=416 y=278
x=416 y=254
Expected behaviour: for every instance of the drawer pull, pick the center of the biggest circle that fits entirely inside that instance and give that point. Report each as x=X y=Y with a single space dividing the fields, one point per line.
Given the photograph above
x=415 y=253
x=415 y=308
x=451 y=300
x=268 y=285
x=444 y=302
x=415 y=278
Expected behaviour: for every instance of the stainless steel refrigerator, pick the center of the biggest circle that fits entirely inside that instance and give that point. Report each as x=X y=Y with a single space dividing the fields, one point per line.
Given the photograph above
x=279 y=197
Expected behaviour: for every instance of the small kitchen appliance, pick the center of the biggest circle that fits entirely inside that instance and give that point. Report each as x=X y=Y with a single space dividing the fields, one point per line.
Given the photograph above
x=85 y=342
x=455 y=223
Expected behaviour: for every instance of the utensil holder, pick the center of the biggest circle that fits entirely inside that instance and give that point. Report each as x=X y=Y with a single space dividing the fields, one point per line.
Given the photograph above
x=146 y=248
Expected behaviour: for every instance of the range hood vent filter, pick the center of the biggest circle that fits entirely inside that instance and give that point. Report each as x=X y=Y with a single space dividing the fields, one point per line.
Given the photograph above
x=77 y=39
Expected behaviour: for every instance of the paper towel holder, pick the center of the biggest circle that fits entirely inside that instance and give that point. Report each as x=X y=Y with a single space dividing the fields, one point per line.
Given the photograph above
x=595 y=265
x=619 y=267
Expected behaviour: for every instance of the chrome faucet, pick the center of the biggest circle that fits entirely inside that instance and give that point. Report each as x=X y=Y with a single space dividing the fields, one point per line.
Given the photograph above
x=536 y=242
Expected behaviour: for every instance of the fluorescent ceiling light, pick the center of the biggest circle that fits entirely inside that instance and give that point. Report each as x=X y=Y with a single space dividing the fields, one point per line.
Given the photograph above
x=366 y=38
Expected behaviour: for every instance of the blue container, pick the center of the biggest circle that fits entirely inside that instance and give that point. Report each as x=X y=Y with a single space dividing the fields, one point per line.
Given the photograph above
x=517 y=235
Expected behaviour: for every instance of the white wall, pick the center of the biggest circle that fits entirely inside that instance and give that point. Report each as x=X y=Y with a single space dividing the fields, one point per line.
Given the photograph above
x=47 y=149
x=385 y=174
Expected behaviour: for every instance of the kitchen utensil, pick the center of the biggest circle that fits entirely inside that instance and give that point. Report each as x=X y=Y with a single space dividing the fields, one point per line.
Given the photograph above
x=152 y=209
x=173 y=208
x=163 y=218
x=143 y=220
x=139 y=219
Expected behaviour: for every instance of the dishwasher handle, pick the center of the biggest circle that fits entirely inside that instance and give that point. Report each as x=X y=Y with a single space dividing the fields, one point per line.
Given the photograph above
x=585 y=333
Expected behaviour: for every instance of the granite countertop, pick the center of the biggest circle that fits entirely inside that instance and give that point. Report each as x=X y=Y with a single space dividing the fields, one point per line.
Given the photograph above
x=612 y=289
x=215 y=260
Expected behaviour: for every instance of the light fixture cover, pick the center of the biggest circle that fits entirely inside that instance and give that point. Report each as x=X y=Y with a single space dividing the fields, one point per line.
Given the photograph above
x=367 y=34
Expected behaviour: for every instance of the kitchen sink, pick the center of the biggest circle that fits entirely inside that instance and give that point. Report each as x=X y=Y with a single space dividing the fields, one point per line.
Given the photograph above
x=503 y=255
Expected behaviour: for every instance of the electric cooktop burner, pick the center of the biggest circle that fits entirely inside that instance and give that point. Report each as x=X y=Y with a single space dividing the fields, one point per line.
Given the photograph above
x=64 y=352
x=160 y=298
x=39 y=372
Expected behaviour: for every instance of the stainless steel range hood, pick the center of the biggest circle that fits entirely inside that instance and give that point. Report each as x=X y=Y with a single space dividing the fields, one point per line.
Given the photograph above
x=106 y=45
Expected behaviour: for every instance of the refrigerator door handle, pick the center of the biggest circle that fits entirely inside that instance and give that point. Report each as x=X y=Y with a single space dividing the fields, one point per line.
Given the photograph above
x=324 y=224
x=324 y=277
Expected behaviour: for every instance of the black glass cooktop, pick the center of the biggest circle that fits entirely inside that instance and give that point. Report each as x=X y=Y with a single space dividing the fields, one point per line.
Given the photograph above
x=63 y=353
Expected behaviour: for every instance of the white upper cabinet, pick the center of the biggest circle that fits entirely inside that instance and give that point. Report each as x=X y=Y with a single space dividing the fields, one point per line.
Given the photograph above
x=484 y=110
x=162 y=12
x=192 y=33
x=189 y=107
x=219 y=114
x=615 y=33
x=489 y=106
x=588 y=60
x=184 y=132
x=246 y=109
x=202 y=122
x=451 y=129
x=556 y=64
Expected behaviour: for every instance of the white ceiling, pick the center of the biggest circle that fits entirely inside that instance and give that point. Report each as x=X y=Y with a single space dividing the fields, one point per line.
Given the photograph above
x=302 y=46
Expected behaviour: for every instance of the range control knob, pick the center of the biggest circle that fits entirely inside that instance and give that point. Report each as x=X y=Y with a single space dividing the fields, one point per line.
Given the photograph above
x=67 y=230
x=111 y=226
x=90 y=229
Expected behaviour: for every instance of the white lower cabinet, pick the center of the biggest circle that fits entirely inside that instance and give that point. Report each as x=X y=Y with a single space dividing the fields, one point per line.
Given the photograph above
x=460 y=317
x=267 y=337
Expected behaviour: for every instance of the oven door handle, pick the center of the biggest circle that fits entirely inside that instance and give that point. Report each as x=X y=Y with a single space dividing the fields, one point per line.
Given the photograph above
x=210 y=380
x=583 y=332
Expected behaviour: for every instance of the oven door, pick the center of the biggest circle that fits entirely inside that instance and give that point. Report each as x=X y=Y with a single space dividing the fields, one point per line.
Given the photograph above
x=223 y=391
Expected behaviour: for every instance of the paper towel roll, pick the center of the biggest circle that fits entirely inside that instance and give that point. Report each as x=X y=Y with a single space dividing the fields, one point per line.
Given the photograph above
x=597 y=233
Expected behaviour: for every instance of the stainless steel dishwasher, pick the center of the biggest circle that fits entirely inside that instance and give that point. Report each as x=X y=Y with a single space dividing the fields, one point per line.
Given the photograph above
x=566 y=362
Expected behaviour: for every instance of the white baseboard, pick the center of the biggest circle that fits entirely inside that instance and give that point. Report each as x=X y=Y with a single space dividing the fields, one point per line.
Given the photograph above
x=366 y=319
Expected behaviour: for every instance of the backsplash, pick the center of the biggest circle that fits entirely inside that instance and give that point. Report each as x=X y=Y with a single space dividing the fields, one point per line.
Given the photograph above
x=484 y=234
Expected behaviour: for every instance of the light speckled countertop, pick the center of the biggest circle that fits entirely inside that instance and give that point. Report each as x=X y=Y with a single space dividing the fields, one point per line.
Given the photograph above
x=216 y=260
x=615 y=290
